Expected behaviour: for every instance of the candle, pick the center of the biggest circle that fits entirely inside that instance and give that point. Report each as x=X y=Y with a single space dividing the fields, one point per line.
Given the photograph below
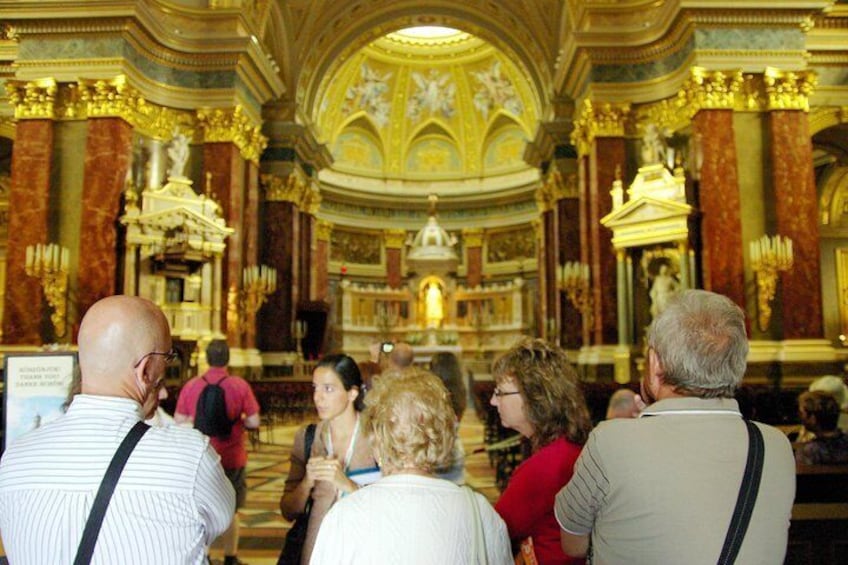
x=30 y=256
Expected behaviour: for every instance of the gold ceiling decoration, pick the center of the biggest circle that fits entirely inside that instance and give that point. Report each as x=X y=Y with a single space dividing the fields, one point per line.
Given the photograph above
x=414 y=108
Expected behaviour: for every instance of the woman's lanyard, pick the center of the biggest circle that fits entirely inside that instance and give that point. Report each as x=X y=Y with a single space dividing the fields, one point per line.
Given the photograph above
x=350 y=447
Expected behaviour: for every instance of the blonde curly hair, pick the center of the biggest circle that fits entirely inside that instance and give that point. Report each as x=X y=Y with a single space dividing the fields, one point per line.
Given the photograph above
x=410 y=422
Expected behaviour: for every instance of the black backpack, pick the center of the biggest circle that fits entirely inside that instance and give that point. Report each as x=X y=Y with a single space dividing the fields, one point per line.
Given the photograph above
x=211 y=417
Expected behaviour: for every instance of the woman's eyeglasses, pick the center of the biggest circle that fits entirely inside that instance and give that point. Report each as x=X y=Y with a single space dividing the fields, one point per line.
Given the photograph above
x=498 y=392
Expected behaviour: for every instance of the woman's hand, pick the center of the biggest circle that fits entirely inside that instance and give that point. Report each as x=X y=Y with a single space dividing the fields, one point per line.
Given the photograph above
x=329 y=469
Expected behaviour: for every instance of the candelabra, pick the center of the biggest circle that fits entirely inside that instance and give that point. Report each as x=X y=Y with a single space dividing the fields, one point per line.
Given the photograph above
x=769 y=256
x=49 y=264
x=298 y=331
x=574 y=280
x=242 y=305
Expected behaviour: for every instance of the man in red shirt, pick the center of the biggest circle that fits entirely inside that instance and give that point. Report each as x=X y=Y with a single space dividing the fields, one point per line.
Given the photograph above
x=242 y=409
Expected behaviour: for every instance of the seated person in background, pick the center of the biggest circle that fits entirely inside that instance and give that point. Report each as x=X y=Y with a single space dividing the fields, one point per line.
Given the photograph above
x=539 y=396
x=409 y=516
x=835 y=387
x=445 y=365
x=623 y=404
x=819 y=413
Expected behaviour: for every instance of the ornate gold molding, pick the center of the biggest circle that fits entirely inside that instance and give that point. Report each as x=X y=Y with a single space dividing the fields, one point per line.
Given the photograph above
x=789 y=90
x=294 y=188
x=233 y=126
x=556 y=187
x=599 y=119
x=33 y=100
x=395 y=238
x=323 y=230
x=711 y=90
x=472 y=237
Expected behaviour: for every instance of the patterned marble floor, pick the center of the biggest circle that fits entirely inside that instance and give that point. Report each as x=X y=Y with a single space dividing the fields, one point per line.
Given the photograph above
x=263 y=529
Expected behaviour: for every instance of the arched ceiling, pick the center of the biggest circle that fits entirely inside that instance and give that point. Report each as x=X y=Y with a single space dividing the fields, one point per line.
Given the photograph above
x=415 y=108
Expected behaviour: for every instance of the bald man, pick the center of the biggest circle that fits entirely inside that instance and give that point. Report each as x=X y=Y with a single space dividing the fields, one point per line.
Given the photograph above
x=624 y=403
x=172 y=498
x=401 y=356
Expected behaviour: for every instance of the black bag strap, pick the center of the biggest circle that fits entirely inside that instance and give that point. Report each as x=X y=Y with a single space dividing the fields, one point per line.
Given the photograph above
x=747 y=496
x=104 y=493
x=308 y=439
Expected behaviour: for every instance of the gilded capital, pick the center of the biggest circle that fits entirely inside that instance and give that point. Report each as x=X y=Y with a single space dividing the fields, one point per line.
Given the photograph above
x=233 y=126
x=294 y=188
x=599 y=119
x=33 y=100
x=789 y=90
x=395 y=239
x=711 y=90
x=472 y=237
x=323 y=230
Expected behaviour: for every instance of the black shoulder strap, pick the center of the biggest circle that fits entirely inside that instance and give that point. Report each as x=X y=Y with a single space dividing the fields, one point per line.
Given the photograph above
x=747 y=496
x=307 y=442
x=104 y=493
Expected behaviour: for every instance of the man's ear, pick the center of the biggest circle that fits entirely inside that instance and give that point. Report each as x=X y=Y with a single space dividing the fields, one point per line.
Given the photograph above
x=143 y=379
x=655 y=368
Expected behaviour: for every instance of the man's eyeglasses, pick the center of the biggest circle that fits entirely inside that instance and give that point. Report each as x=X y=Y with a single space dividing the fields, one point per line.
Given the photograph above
x=169 y=356
x=498 y=392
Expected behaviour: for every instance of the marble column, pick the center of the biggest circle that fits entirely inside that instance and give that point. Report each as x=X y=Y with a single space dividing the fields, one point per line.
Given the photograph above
x=29 y=219
x=304 y=265
x=608 y=154
x=108 y=152
x=568 y=219
x=280 y=221
x=321 y=260
x=548 y=269
x=723 y=263
x=227 y=167
x=394 y=242
x=796 y=215
x=472 y=239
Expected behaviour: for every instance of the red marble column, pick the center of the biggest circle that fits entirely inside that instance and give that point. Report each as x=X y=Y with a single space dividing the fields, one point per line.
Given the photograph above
x=280 y=219
x=721 y=227
x=584 y=180
x=225 y=163
x=108 y=151
x=394 y=277
x=250 y=228
x=320 y=262
x=608 y=153
x=796 y=212
x=568 y=220
x=29 y=198
x=549 y=249
x=474 y=267
x=305 y=266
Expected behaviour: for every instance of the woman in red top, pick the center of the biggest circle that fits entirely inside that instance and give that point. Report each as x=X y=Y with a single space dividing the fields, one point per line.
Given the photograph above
x=537 y=393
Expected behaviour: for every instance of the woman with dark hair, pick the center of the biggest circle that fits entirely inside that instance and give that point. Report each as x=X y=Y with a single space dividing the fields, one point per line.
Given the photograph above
x=445 y=365
x=537 y=394
x=340 y=459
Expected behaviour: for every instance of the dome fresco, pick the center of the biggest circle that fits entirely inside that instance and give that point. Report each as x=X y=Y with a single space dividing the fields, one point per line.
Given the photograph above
x=428 y=103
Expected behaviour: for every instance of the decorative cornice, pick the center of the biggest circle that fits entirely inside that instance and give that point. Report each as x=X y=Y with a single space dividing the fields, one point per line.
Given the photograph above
x=323 y=230
x=233 y=126
x=599 y=120
x=472 y=237
x=556 y=187
x=33 y=100
x=101 y=98
x=394 y=238
x=789 y=90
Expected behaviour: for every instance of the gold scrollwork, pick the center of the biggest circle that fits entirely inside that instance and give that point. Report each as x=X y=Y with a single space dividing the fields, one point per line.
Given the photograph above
x=224 y=125
x=294 y=188
x=599 y=119
x=33 y=99
x=711 y=90
x=789 y=90
x=472 y=237
x=323 y=230
x=395 y=239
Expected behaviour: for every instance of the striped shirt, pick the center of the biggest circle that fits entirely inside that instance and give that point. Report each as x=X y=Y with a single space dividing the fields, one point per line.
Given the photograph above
x=171 y=501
